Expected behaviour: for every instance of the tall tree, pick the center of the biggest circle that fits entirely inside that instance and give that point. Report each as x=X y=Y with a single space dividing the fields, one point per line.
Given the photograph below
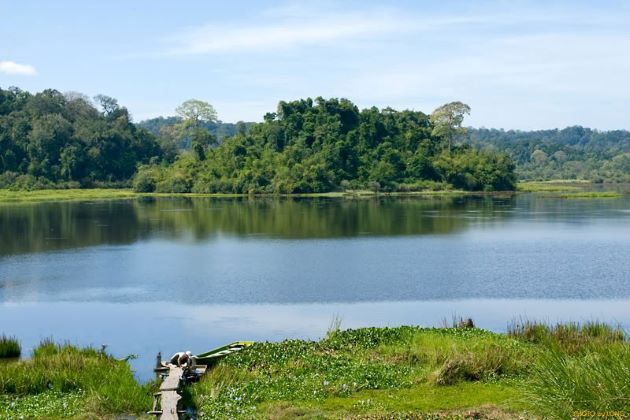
x=194 y=112
x=447 y=121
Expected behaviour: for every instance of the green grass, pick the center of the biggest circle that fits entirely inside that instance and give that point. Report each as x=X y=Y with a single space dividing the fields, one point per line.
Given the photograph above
x=565 y=189
x=9 y=347
x=59 y=374
x=569 y=338
x=549 y=186
x=405 y=403
x=597 y=382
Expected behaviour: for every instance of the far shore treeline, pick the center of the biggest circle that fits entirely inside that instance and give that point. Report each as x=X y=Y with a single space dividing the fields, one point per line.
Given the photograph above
x=52 y=140
x=55 y=140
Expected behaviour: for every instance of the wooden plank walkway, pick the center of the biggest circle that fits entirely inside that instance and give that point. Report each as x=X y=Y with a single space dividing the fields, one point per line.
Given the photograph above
x=171 y=383
x=170 y=398
x=167 y=396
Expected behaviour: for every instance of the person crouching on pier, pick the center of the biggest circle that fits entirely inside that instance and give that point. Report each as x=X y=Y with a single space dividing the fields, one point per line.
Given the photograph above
x=182 y=359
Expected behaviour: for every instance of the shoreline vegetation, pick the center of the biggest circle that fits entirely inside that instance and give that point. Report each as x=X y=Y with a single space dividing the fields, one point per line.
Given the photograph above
x=304 y=146
x=532 y=370
x=52 y=140
x=552 y=189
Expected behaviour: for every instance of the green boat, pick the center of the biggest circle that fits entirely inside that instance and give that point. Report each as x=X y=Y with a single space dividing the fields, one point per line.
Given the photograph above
x=211 y=357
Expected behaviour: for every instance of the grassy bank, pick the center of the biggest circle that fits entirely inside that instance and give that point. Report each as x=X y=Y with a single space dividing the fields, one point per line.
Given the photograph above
x=569 y=189
x=412 y=372
x=65 y=381
x=552 y=186
x=9 y=196
x=407 y=372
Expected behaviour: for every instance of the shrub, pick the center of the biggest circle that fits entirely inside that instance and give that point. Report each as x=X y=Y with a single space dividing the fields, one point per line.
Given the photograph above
x=144 y=183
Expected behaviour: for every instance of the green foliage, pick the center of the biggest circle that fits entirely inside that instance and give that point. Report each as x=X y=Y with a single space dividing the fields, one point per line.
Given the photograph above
x=50 y=139
x=328 y=144
x=107 y=385
x=447 y=121
x=194 y=111
x=144 y=183
x=9 y=347
x=570 y=153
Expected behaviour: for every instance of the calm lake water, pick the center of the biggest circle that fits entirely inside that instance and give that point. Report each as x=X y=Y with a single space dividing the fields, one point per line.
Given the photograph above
x=172 y=274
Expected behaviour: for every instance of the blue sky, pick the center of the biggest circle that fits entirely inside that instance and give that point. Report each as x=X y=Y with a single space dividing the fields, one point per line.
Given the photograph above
x=522 y=65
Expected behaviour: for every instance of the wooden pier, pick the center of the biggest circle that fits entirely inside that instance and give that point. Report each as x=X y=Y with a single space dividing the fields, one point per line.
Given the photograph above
x=166 y=400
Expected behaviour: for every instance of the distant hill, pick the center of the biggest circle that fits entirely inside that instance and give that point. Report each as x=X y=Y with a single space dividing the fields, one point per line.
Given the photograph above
x=570 y=153
x=219 y=129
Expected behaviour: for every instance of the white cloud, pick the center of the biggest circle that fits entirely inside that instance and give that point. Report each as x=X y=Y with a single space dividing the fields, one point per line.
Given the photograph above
x=11 y=67
x=286 y=33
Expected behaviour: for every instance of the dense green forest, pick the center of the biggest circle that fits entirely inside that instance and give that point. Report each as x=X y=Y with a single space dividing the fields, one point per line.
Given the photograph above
x=53 y=139
x=570 y=153
x=50 y=139
x=329 y=144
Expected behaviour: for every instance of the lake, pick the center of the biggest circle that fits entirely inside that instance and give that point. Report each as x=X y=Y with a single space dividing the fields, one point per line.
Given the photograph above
x=169 y=274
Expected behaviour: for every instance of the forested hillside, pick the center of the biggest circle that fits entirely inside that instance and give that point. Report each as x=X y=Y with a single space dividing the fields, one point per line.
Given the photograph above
x=570 y=153
x=51 y=139
x=328 y=144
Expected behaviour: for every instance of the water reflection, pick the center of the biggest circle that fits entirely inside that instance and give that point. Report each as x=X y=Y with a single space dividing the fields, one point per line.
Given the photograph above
x=31 y=228
x=53 y=226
